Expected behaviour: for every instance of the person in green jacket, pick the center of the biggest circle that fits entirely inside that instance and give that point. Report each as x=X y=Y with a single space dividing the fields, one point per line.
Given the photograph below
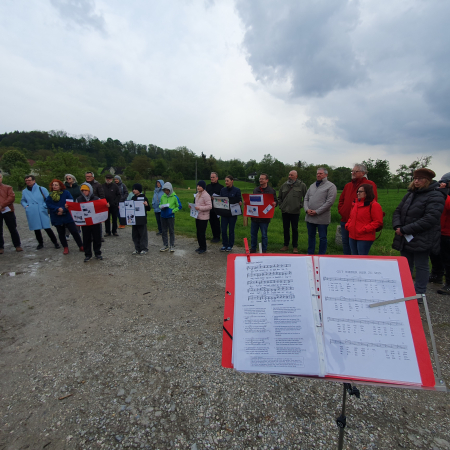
x=168 y=205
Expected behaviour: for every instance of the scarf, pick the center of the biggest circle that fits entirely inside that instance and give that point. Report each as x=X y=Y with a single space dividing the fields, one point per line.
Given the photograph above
x=55 y=195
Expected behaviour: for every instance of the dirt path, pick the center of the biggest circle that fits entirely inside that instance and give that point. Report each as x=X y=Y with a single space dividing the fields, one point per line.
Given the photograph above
x=125 y=353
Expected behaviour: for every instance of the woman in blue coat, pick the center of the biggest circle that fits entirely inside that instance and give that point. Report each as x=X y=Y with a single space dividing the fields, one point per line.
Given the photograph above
x=60 y=216
x=155 y=204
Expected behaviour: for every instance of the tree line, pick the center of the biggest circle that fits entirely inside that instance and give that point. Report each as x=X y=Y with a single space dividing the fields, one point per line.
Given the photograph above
x=55 y=153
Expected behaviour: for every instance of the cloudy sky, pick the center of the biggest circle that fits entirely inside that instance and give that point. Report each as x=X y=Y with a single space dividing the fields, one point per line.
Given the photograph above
x=332 y=81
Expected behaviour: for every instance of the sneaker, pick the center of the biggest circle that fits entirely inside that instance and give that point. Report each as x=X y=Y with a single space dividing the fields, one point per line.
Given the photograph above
x=66 y=251
x=445 y=290
x=87 y=259
x=19 y=249
x=229 y=249
x=107 y=235
x=135 y=252
x=197 y=249
x=172 y=248
x=40 y=246
x=253 y=250
x=103 y=240
x=57 y=246
x=144 y=252
x=435 y=279
x=121 y=226
x=295 y=250
x=115 y=234
x=200 y=252
x=159 y=234
x=99 y=257
x=67 y=237
x=223 y=249
x=284 y=248
x=215 y=240
x=164 y=249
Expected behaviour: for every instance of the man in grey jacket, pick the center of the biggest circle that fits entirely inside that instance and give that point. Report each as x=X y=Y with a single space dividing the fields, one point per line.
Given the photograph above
x=318 y=202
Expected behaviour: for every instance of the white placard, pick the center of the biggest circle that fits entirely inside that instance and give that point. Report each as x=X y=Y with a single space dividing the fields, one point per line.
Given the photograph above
x=256 y=199
x=192 y=211
x=268 y=208
x=252 y=211
x=7 y=209
x=122 y=209
x=100 y=217
x=221 y=202
x=139 y=208
x=88 y=209
x=235 y=209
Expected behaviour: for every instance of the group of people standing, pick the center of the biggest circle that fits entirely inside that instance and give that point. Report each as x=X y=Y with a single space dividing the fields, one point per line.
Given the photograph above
x=421 y=221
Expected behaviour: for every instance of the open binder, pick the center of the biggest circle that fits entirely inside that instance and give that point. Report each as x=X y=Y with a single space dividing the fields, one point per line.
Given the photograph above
x=310 y=316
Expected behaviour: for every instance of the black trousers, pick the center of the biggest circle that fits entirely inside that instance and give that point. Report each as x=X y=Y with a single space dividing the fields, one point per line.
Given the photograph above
x=113 y=212
x=214 y=221
x=92 y=234
x=440 y=264
x=10 y=221
x=139 y=235
x=50 y=234
x=61 y=229
x=201 y=232
x=290 y=221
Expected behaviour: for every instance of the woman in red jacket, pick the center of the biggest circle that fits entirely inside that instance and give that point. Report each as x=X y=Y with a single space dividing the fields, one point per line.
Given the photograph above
x=365 y=217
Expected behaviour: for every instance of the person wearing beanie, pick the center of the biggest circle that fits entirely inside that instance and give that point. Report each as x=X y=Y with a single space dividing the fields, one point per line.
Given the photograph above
x=169 y=205
x=440 y=264
x=92 y=234
x=139 y=232
x=112 y=195
x=123 y=196
x=203 y=205
x=416 y=222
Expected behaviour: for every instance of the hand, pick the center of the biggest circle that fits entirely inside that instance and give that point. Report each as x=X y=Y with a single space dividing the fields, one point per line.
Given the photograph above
x=398 y=232
x=197 y=208
x=2 y=209
x=60 y=213
x=240 y=203
x=274 y=204
x=145 y=203
x=65 y=206
x=311 y=212
x=60 y=210
x=107 y=204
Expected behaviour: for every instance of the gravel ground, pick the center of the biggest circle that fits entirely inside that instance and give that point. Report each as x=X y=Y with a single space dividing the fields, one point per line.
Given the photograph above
x=126 y=353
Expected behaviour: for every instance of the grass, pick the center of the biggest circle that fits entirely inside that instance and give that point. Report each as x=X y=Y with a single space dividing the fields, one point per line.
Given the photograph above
x=185 y=224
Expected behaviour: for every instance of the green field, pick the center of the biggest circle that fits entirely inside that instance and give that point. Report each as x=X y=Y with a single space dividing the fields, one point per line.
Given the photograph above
x=185 y=225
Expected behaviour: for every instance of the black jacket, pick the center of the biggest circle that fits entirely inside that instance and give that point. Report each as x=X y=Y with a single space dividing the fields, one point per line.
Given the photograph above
x=112 y=193
x=98 y=189
x=142 y=220
x=419 y=214
x=213 y=188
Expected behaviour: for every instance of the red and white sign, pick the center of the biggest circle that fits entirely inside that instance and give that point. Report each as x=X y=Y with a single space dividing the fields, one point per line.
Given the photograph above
x=88 y=213
x=259 y=205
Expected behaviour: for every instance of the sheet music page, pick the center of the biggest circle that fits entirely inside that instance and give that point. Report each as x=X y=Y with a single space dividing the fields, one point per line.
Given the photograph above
x=274 y=326
x=360 y=341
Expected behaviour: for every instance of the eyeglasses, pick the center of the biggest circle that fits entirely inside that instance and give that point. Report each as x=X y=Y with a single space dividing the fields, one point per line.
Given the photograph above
x=360 y=192
x=356 y=171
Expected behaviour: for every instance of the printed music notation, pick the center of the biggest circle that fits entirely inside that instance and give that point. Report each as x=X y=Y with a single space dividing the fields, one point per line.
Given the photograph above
x=368 y=344
x=391 y=323
x=268 y=266
x=268 y=274
x=270 y=289
x=272 y=297
x=358 y=280
x=270 y=282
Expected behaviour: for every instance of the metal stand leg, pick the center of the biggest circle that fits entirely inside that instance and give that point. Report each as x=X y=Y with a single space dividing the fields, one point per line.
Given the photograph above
x=341 y=421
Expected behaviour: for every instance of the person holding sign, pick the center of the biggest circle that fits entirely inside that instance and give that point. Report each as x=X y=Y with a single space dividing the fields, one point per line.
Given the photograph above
x=213 y=190
x=60 y=216
x=169 y=206
x=229 y=219
x=92 y=234
x=203 y=205
x=139 y=229
x=260 y=223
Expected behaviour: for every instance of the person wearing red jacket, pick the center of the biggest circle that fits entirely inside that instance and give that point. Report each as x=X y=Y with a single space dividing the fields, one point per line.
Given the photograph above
x=440 y=264
x=359 y=177
x=7 y=197
x=365 y=217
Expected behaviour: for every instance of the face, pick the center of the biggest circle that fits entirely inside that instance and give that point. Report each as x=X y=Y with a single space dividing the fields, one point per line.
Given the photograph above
x=214 y=178
x=85 y=192
x=228 y=182
x=29 y=182
x=108 y=180
x=136 y=192
x=357 y=174
x=419 y=182
x=69 y=179
x=361 y=193
x=293 y=175
x=320 y=175
x=158 y=184
x=263 y=180
x=166 y=191
x=200 y=189
x=116 y=180
x=55 y=186
x=89 y=177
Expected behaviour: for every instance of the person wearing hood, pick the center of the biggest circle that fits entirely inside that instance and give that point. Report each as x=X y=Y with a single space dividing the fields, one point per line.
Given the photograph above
x=417 y=226
x=72 y=187
x=155 y=204
x=139 y=231
x=169 y=206
x=123 y=196
x=60 y=216
x=440 y=264
x=92 y=234
x=33 y=200
x=203 y=205
x=348 y=195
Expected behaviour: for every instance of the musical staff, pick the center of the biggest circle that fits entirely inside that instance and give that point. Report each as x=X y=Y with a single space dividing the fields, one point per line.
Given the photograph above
x=391 y=323
x=368 y=344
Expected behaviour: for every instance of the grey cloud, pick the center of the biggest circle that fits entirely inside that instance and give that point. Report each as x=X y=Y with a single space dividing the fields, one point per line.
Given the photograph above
x=307 y=44
x=80 y=12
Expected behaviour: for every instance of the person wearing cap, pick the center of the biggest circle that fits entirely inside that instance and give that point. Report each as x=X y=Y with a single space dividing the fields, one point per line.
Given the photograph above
x=168 y=205
x=92 y=234
x=112 y=196
x=203 y=205
x=440 y=264
x=123 y=196
x=416 y=222
x=7 y=197
x=139 y=232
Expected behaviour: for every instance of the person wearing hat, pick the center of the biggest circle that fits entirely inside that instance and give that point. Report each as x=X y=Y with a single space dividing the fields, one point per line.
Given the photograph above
x=203 y=205
x=139 y=232
x=440 y=264
x=416 y=222
x=92 y=234
x=112 y=196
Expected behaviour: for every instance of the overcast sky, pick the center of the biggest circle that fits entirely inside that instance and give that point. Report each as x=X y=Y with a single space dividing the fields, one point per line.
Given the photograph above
x=323 y=81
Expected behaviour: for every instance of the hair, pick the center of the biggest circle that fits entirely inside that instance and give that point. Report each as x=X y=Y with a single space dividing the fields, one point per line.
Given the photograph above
x=61 y=185
x=361 y=167
x=265 y=174
x=412 y=187
x=30 y=176
x=215 y=173
x=71 y=176
x=1 y=175
x=230 y=177
x=325 y=171
x=368 y=189
x=92 y=173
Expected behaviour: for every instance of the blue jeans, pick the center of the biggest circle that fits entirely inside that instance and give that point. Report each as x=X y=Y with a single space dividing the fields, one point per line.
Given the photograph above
x=345 y=238
x=255 y=226
x=360 y=247
x=312 y=238
x=228 y=241
x=158 y=221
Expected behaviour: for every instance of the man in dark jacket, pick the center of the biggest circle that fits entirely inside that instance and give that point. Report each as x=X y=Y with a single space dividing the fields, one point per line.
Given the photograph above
x=260 y=223
x=112 y=196
x=97 y=191
x=139 y=232
x=214 y=188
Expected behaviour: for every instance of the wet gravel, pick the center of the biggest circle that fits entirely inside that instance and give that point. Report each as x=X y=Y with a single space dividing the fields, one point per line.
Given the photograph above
x=126 y=353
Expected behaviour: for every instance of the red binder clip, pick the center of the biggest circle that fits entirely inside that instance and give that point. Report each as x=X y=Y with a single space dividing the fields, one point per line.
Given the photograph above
x=247 y=251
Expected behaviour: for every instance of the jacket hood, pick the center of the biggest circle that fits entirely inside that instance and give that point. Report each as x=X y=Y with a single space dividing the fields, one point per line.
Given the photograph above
x=116 y=177
x=71 y=176
x=168 y=186
x=161 y=182
x=91 y=191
